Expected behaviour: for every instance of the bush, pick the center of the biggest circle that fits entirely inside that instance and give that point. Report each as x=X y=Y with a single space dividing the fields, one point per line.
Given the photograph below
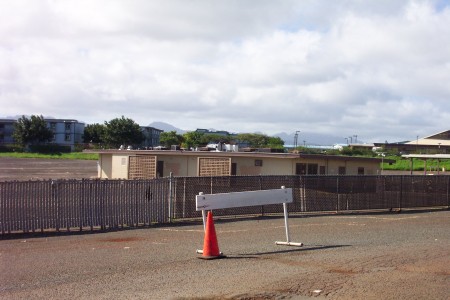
x=49 y=149
x=11 y=148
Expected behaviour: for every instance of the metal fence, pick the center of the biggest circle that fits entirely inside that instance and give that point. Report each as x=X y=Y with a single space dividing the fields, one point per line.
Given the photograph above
x=37 y=206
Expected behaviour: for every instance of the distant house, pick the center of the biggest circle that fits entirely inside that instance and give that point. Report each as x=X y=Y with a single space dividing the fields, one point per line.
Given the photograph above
x=438 y=143
x=145 y=164
x=361 y=147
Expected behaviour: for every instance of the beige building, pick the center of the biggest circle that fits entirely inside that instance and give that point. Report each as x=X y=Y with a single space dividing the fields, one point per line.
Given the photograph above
x=144 y=164
x=438 y=143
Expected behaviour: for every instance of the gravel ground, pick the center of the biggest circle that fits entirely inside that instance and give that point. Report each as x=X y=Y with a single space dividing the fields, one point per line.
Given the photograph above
x=372 y=256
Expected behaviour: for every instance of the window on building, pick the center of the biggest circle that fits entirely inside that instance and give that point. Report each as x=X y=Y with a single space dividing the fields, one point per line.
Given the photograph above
x=341 y=171
x=258 y=162
x=213 y=166
x=360 y=170
x=322 y=170
x=53 y=126
x=312 y=169
x=68 y=138
x=67 y=126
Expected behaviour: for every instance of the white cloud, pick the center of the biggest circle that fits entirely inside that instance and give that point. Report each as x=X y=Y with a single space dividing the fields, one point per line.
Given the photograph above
x=380 y=68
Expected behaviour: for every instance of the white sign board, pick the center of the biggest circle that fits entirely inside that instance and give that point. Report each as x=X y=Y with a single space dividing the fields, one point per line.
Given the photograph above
x=242 y=199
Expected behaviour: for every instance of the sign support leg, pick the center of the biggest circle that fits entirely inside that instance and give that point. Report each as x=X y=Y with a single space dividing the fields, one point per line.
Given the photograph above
x=286 y=225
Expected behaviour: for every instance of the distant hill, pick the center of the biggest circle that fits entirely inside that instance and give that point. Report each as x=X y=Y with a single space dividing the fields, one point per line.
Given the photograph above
x=166 y=127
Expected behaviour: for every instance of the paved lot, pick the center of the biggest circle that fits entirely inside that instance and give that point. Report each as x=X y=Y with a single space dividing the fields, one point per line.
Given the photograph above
x=373 y=256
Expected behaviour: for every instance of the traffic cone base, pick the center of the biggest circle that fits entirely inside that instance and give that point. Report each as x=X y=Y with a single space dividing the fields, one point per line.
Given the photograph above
x=210 y=245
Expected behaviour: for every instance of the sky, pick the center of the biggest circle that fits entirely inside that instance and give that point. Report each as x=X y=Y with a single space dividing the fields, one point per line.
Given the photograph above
x=376 y=69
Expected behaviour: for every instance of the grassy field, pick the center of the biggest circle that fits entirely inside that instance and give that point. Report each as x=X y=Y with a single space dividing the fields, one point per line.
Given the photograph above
x=418 y=164
x=73 y=155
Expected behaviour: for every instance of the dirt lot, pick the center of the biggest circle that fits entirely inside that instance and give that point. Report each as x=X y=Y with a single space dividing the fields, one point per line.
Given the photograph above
x=361 y=256
x=39 y=169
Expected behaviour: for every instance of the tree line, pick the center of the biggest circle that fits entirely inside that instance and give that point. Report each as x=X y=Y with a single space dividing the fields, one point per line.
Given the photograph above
x=125 y=131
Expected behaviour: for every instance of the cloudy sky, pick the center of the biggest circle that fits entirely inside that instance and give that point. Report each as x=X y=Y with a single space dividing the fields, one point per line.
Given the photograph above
x=377 y=69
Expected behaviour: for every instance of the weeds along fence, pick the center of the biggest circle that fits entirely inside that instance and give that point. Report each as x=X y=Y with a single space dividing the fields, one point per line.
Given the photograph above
x=38 y=206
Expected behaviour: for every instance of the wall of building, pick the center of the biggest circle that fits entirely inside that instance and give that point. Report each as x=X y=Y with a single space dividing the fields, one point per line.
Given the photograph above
x=262 y=166
x=113 y=166
x=120 y=166
x=179 y=165
x=117 y=165
x=105 y=166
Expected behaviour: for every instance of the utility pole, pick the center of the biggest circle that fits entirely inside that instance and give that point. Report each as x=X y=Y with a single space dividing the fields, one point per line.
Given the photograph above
x=296 y=139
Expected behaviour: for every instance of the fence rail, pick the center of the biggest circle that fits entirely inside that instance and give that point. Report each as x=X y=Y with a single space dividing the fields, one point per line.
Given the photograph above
x=37 y=206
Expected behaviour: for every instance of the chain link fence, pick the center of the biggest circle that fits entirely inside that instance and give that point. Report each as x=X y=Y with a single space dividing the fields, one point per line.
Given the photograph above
x=37 y=206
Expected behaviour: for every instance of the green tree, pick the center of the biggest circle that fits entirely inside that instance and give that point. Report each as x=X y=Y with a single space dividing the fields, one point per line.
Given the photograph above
x=122 y=131
x=167 y=139
x=194 y=139
x=275 y=142
x=30 y=131
x=254 y=139
x=93 y=133
x=215 y=138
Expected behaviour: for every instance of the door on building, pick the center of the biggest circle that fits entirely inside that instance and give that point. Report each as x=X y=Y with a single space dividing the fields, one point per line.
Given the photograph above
x=300 y=169
x=160 y=168
x=233 y=169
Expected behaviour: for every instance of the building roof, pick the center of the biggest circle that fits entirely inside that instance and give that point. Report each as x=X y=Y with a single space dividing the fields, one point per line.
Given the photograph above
x=433 y=142
x=427 y=156
x=62 y=120
x=440 y=138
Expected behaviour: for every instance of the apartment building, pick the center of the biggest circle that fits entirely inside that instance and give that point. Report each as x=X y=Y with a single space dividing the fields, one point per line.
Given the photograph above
x=6 y=131
x=151 y=135
x=66 y=132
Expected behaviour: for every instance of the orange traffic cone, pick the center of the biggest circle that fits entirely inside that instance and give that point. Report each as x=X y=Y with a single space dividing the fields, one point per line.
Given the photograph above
x=210 y=245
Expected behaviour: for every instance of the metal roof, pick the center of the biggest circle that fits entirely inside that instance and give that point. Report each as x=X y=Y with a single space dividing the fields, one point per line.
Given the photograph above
x=427 y=156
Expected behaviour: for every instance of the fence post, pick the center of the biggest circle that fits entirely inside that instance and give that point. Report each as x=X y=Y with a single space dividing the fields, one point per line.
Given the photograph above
x=337 y=192
x=55 y=202
x=401 y=193
x=448 y=187
x=170 y=196
x=260 y=188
